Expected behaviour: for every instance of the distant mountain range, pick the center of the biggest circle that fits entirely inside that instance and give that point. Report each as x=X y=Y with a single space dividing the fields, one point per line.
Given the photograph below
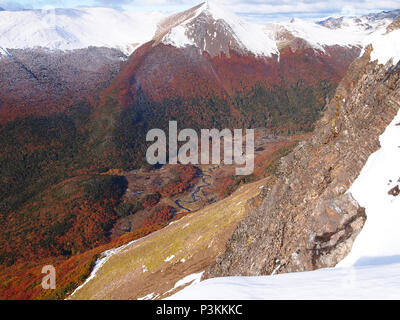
x=369 y=22
x=69 y=29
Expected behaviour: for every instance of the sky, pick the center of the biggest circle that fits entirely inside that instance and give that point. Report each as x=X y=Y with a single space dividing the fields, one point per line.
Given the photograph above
x=251 y=10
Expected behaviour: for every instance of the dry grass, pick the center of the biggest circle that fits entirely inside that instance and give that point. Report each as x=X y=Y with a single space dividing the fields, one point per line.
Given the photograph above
x=197 y=238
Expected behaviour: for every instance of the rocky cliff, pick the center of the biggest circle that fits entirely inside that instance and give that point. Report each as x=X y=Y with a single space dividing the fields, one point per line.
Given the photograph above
x=307 y=220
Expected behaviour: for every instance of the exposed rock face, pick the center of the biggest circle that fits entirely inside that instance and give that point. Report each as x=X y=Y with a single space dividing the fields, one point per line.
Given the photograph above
x=214 y=30
x=395 y=25
x=307 y=220
x=172 y=21
x=395 y=191
x=213 y=36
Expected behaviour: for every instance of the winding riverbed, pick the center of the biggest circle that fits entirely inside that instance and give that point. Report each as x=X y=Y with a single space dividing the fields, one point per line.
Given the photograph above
x=195 y=197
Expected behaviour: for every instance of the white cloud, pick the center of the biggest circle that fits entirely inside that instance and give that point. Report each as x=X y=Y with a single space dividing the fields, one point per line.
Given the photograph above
x=270 y=8
x=250 y=9
x=8 y=5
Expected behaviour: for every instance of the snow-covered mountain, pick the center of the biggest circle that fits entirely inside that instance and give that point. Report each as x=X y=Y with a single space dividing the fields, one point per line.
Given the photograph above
x=315 y=35
x=342 y=31
x=208 y=26
x=369 y=22
x=214 y=29
x=67 y=29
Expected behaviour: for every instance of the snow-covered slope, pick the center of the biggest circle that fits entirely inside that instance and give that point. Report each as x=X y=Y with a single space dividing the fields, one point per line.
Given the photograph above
x=68 y=29
x=348 y=33
x=362 y=282
x=316 y=35
x=385 y=46
x=218 y=24
x=367 y=23
x=380 y=237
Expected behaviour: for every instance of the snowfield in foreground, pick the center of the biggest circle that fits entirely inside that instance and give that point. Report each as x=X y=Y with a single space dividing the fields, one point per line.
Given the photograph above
x=359 y=282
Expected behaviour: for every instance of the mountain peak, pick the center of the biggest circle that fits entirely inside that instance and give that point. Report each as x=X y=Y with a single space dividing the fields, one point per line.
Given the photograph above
x=214 y=29
x=212 y=7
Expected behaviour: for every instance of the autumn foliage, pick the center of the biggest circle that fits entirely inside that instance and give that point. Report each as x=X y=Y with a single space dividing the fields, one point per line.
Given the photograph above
x=187 y=176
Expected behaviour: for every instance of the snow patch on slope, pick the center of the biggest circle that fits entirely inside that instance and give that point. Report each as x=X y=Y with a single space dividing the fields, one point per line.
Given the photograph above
x=177 y=38
x=385 y=46
x=69 y=29
x=150 y=296
x=168 y=259
x=251 y=35
x=190 y=279
x=105 y=256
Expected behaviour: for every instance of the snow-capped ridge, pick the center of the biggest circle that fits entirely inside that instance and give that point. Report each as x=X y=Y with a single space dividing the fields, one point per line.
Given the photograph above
x=70 y=29
x=213 y=28
x=386 y=46
x=366 y=23
x=316 y=35
x=343 y=31
x=208 y=26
